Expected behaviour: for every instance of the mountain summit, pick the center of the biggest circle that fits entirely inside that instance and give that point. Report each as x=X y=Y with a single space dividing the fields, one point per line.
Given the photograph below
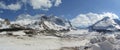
x=106 y=24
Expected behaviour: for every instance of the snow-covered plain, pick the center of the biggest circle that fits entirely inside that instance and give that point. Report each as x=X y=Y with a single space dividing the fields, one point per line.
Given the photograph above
x=73 y=40
x=38 y=42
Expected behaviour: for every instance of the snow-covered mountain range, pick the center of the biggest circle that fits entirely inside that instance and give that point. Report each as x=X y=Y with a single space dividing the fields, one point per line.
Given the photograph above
x=37 y=24
x=106 y=24
x=63 y=33
x=43 y=22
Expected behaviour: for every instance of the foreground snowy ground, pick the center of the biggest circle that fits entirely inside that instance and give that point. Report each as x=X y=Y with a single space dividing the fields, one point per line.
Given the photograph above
x=37 y=43
x=74 y=40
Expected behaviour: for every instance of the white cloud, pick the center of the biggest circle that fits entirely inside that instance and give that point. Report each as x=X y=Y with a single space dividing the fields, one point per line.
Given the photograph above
x=36 y=4
x=58 y=2
x=41 y=4
x=16 y=6
x=91 y=18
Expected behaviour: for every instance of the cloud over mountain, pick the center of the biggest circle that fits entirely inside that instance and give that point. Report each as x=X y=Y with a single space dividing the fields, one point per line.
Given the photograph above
x=85 y=20
x=57 y=2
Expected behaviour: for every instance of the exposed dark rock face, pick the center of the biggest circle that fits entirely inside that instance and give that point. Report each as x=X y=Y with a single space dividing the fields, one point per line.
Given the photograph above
x=30 y=32
x=12 y=29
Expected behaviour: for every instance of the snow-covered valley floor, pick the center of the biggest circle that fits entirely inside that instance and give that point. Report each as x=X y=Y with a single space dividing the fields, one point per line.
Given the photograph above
x=73 y=39
x=38 y=43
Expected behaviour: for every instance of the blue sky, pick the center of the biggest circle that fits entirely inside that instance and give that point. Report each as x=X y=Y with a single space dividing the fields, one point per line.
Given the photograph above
x=67 y=8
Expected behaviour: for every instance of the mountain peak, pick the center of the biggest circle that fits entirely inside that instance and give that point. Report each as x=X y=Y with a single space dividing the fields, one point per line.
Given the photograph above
x=43 y=21
x=106 y=24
